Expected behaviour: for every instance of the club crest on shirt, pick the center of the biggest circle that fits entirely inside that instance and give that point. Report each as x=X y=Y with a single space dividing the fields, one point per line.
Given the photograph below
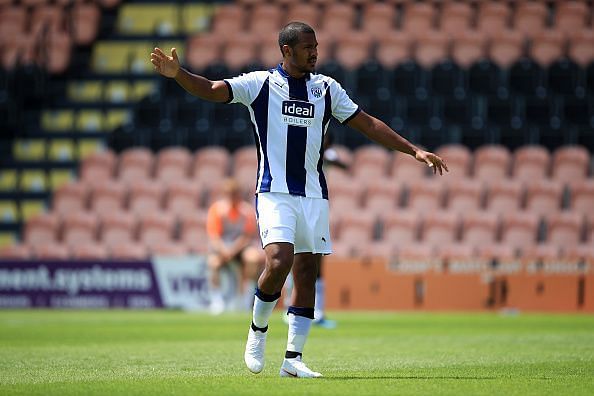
x=316 y=92
x=297 y=113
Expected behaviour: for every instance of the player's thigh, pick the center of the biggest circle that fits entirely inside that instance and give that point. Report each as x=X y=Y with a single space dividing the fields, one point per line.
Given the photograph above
x=277 y=218
x=313 y=227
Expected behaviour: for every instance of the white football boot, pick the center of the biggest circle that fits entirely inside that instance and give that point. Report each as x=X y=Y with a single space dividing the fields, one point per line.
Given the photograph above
x=254 y=351
x=297 y=369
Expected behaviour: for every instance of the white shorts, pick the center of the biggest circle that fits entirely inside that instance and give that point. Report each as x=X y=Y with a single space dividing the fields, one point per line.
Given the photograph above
x=301 y=221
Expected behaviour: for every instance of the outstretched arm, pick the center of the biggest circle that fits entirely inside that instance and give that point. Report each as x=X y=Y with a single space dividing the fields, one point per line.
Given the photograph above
x=168 y=66
x=379 y=132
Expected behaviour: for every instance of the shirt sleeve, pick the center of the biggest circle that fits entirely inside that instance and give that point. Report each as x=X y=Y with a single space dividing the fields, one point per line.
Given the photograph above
x=244 y=88
x=343 y=107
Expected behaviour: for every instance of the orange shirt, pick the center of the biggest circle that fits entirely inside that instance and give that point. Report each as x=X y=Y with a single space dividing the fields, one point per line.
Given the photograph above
x=228 y=222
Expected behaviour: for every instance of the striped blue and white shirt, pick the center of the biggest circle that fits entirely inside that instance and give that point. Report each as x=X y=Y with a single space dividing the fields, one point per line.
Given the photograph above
x=290 y=117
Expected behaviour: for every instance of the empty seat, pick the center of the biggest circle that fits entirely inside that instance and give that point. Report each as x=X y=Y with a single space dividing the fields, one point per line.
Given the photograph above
x=265 y=20
x=382 y=195
x=491 y=163
x=85 y=22
x=356 y=229
x=537 y=255
x=570 y=163
x=571 y=16
x=240 y=51
x=182 y=197
x=228 y=19
x=581 y=47
x=46 y=19
x=173 y=163
x=547 y=46
x=89 y=251
x=50 y=251
x=107 y=197
x=393 y=48
x=464 y=195
x=168 y=249
x=70 y=197
x=344 y=197
x=128 y=251
x=98 y=166
x=203 y=50
x=79 y=228
x=564 y=229
x=458 y=158
x=193 y=231
x=378 y=19
x=305 y=12
x=406 y=168
x=117 y=227
x=507 y=46
x=338 y=19
x=353 y=49
x=504 y=196
x=479 y=228
x=440 y=228
x=8 y=211
x=582 y=196
x=400 y=228
x=468 y=47
x=493 y=17
x=210 y=164
x=543 y=197
x=425 y=196
x=519 y=229
x=145 y=196
x=530 y=17
x=15 y=252
x=455 y=16
x=531 y=163
x=42 y=228
x=418 y=17
x=371 y=161
x=156 y=227
x=431 y=48
x=135 y=163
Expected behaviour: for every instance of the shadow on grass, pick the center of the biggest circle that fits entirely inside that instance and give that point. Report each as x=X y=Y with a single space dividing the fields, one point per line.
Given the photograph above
x=419 y=377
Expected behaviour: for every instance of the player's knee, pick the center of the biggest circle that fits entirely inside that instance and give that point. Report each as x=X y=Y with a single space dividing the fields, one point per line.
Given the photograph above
x=279 y=260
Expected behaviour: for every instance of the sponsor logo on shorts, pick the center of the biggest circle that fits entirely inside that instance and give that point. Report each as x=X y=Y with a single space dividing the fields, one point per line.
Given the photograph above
x=264 y=233
x=297 y=113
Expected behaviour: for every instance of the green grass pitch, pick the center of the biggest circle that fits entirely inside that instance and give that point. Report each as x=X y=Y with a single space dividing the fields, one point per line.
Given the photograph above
x=168 y=352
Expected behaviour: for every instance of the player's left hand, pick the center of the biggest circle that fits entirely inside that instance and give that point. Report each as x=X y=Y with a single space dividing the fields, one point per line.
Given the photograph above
x=432 y=160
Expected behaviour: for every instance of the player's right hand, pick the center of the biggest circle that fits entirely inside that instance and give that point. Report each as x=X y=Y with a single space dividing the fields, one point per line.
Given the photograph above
x=165 y=64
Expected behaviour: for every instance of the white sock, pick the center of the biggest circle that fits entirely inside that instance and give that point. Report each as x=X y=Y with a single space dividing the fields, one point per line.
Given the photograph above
x=320 y=299
x=262 y=311
x=298 y=331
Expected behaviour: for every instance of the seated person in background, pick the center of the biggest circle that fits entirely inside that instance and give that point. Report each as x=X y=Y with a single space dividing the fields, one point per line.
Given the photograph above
x=231 y=228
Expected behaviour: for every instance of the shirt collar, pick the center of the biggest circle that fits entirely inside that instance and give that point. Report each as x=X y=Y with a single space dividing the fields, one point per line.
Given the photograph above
x=283 y=73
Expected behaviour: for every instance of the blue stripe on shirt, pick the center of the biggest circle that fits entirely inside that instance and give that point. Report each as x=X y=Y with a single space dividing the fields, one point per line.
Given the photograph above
x=296 y=173
x=260 y=108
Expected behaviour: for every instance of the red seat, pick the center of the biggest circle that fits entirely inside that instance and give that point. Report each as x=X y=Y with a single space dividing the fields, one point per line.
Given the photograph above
x=98 y=166
x=135 y=164
x=155 y=227
x=108 y=197
x=382 y=195
x=371 y=161
x=571 y=16
x=173 y=163
x=79 y=228
x=506 y=47
x=570 y=163
x=418 y=18
x=493 y=17
x=425 y=196
x=43 y=228
x=457 y=157
x=531 y=163
x=400 y=228
x=479 y=228
x=128 y=251
x=117 y=227
x=89 y=251
x=50 y=251
x=582 y=196
x=70 y=197
x=145 y=196
x=455 y=16
x=547 y=47
x=378 y=18
x=393 y=48
x=432 y=48
x=464 y=195
x=193 y=231
x=406 y=168
x=15 y=252
x=491 y=163
x=504 y=196
x=530 y=17
x=564 y=229
x=519 y=229
x=543 y=197
x=440 y=228
x=183 y=197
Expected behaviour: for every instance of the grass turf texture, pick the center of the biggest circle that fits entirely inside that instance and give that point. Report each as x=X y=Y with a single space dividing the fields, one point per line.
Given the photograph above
x=167 y=352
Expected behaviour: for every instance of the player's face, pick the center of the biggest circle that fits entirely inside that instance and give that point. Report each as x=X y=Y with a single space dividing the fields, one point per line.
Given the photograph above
x=304 y=54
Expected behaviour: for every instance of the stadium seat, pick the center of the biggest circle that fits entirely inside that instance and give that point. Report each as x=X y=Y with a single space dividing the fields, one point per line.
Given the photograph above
x=547 y=46
x=479 y=228
x=168 y=249
x=108 y=196
x=182 y=197
x=146 y=19
x=338 y=19
x=564 y=229
x=85 y=91
x=85 y=23
x=265 y=20
x=240 y=52
x=59 y=52
x=135 y=163
x=406 y=168
x=543 y=197
x=31 y=208
x=468 y=47
x=210 y=165
x=531 y=163
x=459 y=258
x=117 y=227
x=344 y=197
x=537 y=255
x=571 y=16
x=418 y=17
x=12 y=20
x=425 y=196
x=416 y=258
x=519 y=229
x=455 y=16
x=15 y=252
x=98 y=166
x=193 y=231
x=269 y=54
x=117 y=91
x=245 y=167
x=570 y=163
x=89 y=121
x=305 y=12
x=196 y=17
x=356 y=230
x=33 y=180
x=79 y=228
x=506 y=48
x=128 y=251
x=89 y=251
x=228 y=19
x=9 y=212
x=500 y=257
x=464 y=195
x=173 y=163
x=353 y=49
x=530 y=17
x=393 y=48
x=493 y=17
x=70 y=198
x=155 y=227
x=581 y=47
x=50 y=251
x=440 y=228
x=582 y=196
x=458 y=158
x=491 y=163
x=400 y=228
x=431 y=48
x=378 y=19
x=381 y=195
x=46 y=19
x=29 y=149
x=60 y=150
x=371 y=161
x=203 y=50
x=145 y=196
x=8 y=179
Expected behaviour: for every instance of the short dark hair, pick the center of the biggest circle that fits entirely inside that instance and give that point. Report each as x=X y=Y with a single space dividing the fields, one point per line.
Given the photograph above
x=289 y=35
